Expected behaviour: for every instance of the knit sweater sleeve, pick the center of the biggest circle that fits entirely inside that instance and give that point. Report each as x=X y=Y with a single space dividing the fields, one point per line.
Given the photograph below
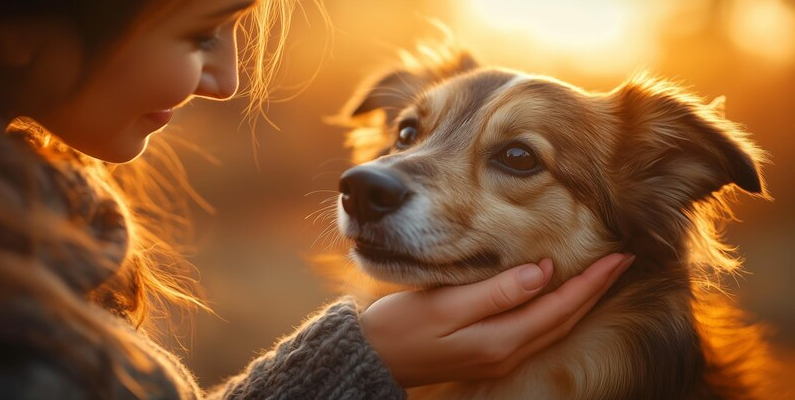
x=327 y=358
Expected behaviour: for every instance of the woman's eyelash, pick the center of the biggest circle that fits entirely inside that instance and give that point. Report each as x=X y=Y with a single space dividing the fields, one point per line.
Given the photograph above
x=206 y=42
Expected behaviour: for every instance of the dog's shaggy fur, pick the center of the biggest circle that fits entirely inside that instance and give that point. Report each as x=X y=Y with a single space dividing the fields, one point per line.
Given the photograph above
x=646 y=169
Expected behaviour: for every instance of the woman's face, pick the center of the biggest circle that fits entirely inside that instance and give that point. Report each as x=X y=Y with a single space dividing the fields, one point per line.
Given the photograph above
x=190 y=51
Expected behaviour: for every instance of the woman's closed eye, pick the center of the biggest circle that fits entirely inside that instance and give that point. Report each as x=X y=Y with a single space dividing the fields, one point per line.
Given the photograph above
x=209 y=38
x=207 y=41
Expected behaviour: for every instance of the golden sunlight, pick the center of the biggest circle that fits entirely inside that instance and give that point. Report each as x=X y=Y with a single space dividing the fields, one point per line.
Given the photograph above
x=597 y=37
x=571 y=24
x=764 y=27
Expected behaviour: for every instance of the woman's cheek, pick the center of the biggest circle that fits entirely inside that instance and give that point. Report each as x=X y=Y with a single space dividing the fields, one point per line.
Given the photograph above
x=173 y=82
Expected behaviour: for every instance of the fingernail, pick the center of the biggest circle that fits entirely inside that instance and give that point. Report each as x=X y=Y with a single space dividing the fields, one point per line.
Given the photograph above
x=626 y=262
x=531 y=277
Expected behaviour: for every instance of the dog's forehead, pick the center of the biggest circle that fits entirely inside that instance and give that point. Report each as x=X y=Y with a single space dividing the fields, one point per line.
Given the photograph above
x=460 y=97
x=542 y=106
x=453 y=107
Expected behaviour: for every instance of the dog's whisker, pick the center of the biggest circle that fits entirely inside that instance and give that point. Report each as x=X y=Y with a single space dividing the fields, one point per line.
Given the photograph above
x=320 y=191
x=322 y=217
x=332 y=198
x=333 y=242
x=324 y=208
x=330 y=215
x=339 y=239
x=316 y=214
x=322 y=235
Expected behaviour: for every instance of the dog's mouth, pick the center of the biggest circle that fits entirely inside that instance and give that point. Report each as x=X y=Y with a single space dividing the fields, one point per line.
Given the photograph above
x=382 y=255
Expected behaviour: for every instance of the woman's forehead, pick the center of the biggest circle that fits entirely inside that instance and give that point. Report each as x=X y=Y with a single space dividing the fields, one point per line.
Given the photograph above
x=177 y=15
x=211 y=9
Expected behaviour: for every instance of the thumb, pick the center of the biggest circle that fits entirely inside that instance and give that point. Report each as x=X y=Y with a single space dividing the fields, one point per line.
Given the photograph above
x=467 y=304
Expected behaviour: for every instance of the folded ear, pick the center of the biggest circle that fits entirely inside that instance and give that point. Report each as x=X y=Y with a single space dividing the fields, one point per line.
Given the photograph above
x=675 y=143
x=390 y=93
x=371 y=113
x=673 y=152
x=395 y=89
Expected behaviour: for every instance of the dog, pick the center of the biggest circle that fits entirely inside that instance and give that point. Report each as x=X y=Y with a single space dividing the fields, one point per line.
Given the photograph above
x=464 y=171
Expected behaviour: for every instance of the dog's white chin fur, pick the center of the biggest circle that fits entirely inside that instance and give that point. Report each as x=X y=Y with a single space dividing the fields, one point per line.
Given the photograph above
x=406 y=273
x=412 y=218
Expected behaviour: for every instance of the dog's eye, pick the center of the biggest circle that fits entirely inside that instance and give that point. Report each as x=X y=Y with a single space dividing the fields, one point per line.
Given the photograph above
x=406 y=137
x=517 y=158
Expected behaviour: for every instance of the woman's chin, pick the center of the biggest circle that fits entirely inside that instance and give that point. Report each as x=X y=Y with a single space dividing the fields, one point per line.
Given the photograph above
x=127 y=153
x=111 y=144
x=122 y=150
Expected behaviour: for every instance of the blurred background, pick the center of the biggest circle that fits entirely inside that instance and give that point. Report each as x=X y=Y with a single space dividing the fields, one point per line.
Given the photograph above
x=253 y=251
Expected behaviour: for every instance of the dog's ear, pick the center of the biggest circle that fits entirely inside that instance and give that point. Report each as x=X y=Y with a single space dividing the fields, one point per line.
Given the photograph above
x=390 y=93
x=674 y=141
x=371 y=113
x=674 y=151
x=393 y=90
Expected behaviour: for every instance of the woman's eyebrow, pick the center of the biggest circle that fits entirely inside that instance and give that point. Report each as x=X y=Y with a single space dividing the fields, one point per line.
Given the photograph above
x=233 y=9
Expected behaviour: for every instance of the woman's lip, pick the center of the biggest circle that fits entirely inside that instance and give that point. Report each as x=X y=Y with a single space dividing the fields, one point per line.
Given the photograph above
x=161 y=117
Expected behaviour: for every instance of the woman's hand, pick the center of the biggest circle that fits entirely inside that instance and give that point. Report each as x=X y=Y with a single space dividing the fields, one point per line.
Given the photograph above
x=485 y=329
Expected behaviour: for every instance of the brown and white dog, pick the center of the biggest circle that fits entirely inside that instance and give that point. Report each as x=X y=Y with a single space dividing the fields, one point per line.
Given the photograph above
x=465 y=171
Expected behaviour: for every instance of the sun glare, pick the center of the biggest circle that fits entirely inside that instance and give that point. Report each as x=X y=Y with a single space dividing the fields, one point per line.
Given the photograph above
x=615 y=36
x=588 y=36
x=764 y=27
x=572 y=24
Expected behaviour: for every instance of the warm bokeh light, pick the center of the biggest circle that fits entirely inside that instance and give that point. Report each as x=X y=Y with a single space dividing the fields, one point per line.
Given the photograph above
x=765 y=28
x=597 y=36
x=605 y=37
x=568 y=24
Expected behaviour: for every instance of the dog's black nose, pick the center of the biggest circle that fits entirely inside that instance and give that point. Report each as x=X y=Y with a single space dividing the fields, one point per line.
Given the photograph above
x=368 y=193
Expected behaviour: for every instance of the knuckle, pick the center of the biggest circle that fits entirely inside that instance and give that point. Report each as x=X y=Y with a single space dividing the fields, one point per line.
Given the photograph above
x=493 y=353
x=501 y=297
x=565 y=310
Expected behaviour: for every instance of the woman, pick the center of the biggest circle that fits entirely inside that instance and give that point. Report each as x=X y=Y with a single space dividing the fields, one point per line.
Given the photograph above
x=84 y=258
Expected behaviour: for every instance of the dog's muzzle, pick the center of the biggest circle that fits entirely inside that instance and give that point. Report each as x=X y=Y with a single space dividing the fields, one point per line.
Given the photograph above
x=370 y=193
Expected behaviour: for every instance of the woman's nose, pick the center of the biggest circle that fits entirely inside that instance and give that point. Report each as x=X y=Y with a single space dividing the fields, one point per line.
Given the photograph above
x=218 y=78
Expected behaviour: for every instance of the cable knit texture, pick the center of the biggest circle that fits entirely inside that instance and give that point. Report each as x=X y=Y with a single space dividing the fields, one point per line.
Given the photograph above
x=54 y=343
x=327 y=358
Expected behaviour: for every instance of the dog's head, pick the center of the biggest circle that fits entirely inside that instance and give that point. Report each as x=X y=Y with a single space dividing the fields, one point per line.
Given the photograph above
x=467 y=171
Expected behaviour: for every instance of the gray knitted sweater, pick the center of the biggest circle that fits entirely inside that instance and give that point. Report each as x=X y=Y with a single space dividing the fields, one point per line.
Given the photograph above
x=56 y=344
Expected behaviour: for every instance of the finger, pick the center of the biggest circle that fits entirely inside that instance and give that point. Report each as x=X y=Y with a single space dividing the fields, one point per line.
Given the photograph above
x=559 y=332
x=467 y=304
x=556 y=308
x=513 y=351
